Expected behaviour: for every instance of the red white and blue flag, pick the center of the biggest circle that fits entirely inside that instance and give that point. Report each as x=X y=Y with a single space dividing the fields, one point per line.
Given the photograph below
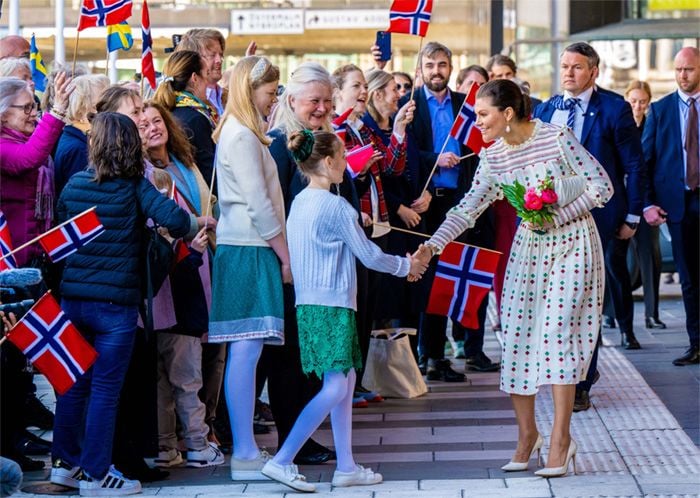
x=463 y=278
x=64 y=240
x=148 y=70
x=411 y=17
x=8 y=262
x=103 y=13
x=52 y=343
x=464 y=129
x=340 y=125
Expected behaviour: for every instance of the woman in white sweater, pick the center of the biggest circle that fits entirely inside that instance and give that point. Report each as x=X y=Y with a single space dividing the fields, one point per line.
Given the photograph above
x=252 y=259
x=324 y=240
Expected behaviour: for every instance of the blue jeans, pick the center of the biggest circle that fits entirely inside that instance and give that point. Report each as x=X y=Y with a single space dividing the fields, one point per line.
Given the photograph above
x=84 y=425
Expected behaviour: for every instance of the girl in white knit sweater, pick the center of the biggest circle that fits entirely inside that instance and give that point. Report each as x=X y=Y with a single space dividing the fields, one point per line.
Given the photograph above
x=324 y=238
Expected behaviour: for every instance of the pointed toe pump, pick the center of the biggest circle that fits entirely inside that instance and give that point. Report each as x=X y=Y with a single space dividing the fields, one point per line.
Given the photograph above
x=519 y=466
x=564 y=469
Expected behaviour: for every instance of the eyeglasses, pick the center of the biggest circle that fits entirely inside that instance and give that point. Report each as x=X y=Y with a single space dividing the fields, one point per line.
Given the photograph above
x=405 y=86
x=27 y=108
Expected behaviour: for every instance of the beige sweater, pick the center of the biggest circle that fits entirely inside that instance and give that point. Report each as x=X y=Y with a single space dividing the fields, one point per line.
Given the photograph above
x=250 y=195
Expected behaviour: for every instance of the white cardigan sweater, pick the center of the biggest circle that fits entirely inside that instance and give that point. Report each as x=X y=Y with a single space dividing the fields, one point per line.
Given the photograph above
x=249 y=191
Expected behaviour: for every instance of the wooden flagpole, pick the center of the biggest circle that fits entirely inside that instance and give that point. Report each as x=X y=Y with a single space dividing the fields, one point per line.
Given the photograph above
x=386 y=225
x=77 y=38
x=211 y=188
x=415 y=73
x=57 y=227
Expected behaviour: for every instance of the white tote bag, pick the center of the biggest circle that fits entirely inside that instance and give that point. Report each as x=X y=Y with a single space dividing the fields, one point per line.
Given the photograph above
x=391 y=369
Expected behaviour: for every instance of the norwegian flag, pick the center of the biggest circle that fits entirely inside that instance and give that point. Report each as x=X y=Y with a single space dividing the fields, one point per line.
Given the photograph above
x=410 y=16
x=8 y=262
x=148 y=70
x=463 y=278
x=64 y=240
x=340 y=125
x=52 y=343
x=464 y=129
x=103 y=13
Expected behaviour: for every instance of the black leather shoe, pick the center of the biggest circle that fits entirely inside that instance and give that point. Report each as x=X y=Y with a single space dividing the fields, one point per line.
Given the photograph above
x=313 y=453
x=140 y=471
x=423 y=365
x=37 y=415
x=481 y=363
x=582 y=401
x=29 y=444
x=629 y=341
x=691 y=357
x=608 y=322
x=654 y=323
x=26 y=463
x=444 y=372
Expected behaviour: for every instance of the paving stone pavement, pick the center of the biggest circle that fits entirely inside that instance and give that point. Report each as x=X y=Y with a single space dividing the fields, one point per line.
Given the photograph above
x=452 y=441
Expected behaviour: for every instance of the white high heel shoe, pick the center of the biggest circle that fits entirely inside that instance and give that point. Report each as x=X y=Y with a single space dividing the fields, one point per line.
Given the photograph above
x=518 y=466
x=564 y=469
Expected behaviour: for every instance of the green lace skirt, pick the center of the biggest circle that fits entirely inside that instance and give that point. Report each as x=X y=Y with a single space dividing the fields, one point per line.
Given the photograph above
x=327 y=339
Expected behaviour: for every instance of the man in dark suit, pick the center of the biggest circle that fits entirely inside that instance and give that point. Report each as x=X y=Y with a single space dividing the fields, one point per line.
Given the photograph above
x=605 y=127
x=670 y=143
x=436 y=108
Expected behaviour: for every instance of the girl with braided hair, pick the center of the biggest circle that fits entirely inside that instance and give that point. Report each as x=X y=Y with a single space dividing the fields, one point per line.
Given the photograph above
x=324 y=238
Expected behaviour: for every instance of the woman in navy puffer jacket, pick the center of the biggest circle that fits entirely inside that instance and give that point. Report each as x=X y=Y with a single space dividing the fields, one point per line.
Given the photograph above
x=100 y=295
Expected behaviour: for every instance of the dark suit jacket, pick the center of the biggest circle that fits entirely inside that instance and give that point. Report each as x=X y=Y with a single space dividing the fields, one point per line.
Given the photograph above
x=611 y=135
x=421 y=157
x=663 y=154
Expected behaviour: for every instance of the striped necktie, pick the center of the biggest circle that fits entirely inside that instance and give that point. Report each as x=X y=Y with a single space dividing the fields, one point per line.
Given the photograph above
x=566 y=105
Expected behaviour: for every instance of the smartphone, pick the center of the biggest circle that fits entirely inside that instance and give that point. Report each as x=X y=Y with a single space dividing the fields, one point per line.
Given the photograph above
x=384 y=43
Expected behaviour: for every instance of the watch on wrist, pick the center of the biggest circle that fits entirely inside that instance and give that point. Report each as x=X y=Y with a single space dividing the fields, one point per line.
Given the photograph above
x=632 y=224
x=433 y=248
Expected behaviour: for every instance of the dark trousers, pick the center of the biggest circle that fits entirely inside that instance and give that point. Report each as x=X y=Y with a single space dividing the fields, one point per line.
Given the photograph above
x=646 y=245
x=684 y=242
x=618 y=283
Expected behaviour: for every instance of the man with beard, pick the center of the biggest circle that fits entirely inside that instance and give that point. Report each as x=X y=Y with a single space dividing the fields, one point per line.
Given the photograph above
x=210 y=45
x=436 y=108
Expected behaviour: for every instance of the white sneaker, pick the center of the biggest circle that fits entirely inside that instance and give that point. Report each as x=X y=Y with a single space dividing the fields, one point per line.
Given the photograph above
x=112 y=484
x=169 y=458
x=249 y=470
x=288 y=475
x=361 y=477
x=65 y=475
x=208 y=457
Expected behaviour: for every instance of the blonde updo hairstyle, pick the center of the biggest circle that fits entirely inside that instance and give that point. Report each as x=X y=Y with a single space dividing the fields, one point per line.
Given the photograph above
x=309 y=148
x=377 y=81
x=249 y=74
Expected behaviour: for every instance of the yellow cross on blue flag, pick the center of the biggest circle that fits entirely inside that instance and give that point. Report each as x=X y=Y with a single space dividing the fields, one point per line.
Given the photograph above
x=38 y=67
x=119 y=37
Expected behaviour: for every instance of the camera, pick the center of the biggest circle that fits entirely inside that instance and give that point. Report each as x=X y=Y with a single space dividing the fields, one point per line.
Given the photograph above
x=19 y=308
x=176 y=41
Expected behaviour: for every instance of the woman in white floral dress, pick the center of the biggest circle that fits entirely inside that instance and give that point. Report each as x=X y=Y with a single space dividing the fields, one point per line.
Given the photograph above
x=553 y=289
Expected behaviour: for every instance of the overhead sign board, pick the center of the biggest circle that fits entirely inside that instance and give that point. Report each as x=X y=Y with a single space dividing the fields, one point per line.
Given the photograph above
x=267 y=22
x=347 y=19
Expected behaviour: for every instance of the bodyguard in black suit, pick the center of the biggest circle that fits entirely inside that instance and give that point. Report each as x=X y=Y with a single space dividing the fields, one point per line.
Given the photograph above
x=604 y=125
x=670 y=142
x=451 y=181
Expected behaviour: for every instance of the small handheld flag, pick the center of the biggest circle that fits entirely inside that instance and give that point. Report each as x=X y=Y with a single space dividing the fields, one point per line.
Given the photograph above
x=38 y=67
x=411 y=17
x=148 y=70
x=340 y=126
x=119 y=37
x=463 y=278
x=95 y=13
x=65 y=240
x=464 y=129
x=52 y=344
x=8 y=262
x=358 y=157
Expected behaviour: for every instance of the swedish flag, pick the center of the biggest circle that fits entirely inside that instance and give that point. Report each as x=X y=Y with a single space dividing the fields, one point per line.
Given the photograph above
x=38 y=67
x=119 y=37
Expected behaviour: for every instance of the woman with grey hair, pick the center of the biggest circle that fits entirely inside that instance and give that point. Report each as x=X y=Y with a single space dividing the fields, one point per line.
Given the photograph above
x=16 y=67
x=72 y=152
x=26 y=168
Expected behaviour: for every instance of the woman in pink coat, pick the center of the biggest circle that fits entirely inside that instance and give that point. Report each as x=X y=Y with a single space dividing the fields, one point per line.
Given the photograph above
x=26 y=168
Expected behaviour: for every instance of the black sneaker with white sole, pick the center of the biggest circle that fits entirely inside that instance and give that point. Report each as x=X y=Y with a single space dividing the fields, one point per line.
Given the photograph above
x=112 y=484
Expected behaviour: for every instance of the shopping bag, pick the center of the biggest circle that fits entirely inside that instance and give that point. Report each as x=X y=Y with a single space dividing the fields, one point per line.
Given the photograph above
x=391 y=369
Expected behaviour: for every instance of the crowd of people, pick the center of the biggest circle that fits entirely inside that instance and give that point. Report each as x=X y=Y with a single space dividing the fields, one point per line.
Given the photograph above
x=285 y=260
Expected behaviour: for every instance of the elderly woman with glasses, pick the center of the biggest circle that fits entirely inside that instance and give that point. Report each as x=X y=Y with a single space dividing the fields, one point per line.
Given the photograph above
x=26 y=168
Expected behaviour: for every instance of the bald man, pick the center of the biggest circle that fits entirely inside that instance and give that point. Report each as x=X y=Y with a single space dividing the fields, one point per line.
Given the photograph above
x=14 y=46
x=671 y=151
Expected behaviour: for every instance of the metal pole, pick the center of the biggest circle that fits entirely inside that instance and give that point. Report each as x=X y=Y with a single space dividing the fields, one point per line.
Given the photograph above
x=60 y=49
x=113 y=74
x=496 y=26
x=13 y=21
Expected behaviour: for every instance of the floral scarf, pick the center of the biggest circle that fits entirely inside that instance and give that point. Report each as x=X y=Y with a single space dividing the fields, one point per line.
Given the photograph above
x=186 y=99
